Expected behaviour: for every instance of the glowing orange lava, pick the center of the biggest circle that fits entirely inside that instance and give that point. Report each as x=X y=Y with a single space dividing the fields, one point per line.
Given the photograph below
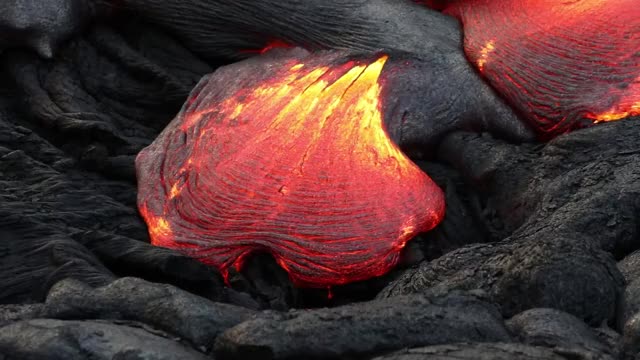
x=295 y=162
x=558 y=62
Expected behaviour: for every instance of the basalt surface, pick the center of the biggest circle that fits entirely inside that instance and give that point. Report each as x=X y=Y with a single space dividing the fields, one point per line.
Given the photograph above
x=533 y=260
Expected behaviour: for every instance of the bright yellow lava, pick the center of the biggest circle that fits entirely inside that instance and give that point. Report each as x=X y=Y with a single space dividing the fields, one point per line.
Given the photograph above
x=159 y=229
x=175 y=191
x=487 y=49
x=307 y=104
x=614 y=115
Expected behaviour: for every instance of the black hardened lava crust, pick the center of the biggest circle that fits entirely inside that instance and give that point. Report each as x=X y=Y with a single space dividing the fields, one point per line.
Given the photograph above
x=535 y=259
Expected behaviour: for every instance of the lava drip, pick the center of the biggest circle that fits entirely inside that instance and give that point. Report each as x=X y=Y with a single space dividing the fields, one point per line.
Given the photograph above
x=290 y=157
x=562 y=64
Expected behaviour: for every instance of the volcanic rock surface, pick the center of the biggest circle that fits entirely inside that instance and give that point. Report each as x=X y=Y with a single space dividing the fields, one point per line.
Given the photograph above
x=529 y=228
x=491 y=351
x=357 y=330
x=79 y=340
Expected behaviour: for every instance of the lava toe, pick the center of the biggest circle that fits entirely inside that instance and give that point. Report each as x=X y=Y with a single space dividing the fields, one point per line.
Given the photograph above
x=287 y=155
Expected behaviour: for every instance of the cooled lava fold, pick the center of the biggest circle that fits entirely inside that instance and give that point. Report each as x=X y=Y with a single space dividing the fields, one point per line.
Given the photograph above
x=290 y=156
x=562 y=64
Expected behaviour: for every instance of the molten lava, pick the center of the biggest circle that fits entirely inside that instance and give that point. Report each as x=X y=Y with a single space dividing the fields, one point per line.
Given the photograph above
x=559 y=62
x=291 y=158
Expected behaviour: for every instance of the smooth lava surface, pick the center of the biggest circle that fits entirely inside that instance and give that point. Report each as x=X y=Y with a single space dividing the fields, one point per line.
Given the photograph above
x=287 y=156
x=562 y=64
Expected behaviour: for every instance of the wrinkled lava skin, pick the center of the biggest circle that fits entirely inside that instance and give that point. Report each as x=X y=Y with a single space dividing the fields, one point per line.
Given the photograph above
x=294 y=161
x=226 y=28
x=562 y=64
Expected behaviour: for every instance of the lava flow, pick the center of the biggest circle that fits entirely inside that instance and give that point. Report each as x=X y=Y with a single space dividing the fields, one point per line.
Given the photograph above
x=290 y=157
x=562 y=64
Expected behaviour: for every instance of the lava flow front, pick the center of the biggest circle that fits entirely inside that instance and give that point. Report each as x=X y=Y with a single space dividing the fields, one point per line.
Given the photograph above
x=563 y=64
x=288 y=156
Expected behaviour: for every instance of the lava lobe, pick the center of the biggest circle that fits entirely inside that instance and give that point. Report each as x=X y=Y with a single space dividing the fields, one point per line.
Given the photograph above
x=290 y=156
x=562 y=64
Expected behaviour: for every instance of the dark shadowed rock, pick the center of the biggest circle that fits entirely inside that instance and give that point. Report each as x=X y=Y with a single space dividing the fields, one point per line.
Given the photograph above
x=266 y=281
x=463 y=223
x=36 y=256
x=492 y=351
x=165 y=307
x=81 y=340
x=364 y=328
x=611 y=338
x=553 y=328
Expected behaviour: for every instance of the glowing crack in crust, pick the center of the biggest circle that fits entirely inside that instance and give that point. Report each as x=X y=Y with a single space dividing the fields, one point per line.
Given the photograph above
x=484 y=54
x=294 y=161
x=562 y=64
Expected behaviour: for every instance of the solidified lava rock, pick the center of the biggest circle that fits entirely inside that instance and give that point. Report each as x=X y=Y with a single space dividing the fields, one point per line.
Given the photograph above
x=241 y=28
x=562 y=64
x=630 y=266
x=492 y=351
x=162 y=306
x=364 y=329
x=568 y=207
x=42 y=25
x=553 y=328
x=296 y=163
x=80 y=340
